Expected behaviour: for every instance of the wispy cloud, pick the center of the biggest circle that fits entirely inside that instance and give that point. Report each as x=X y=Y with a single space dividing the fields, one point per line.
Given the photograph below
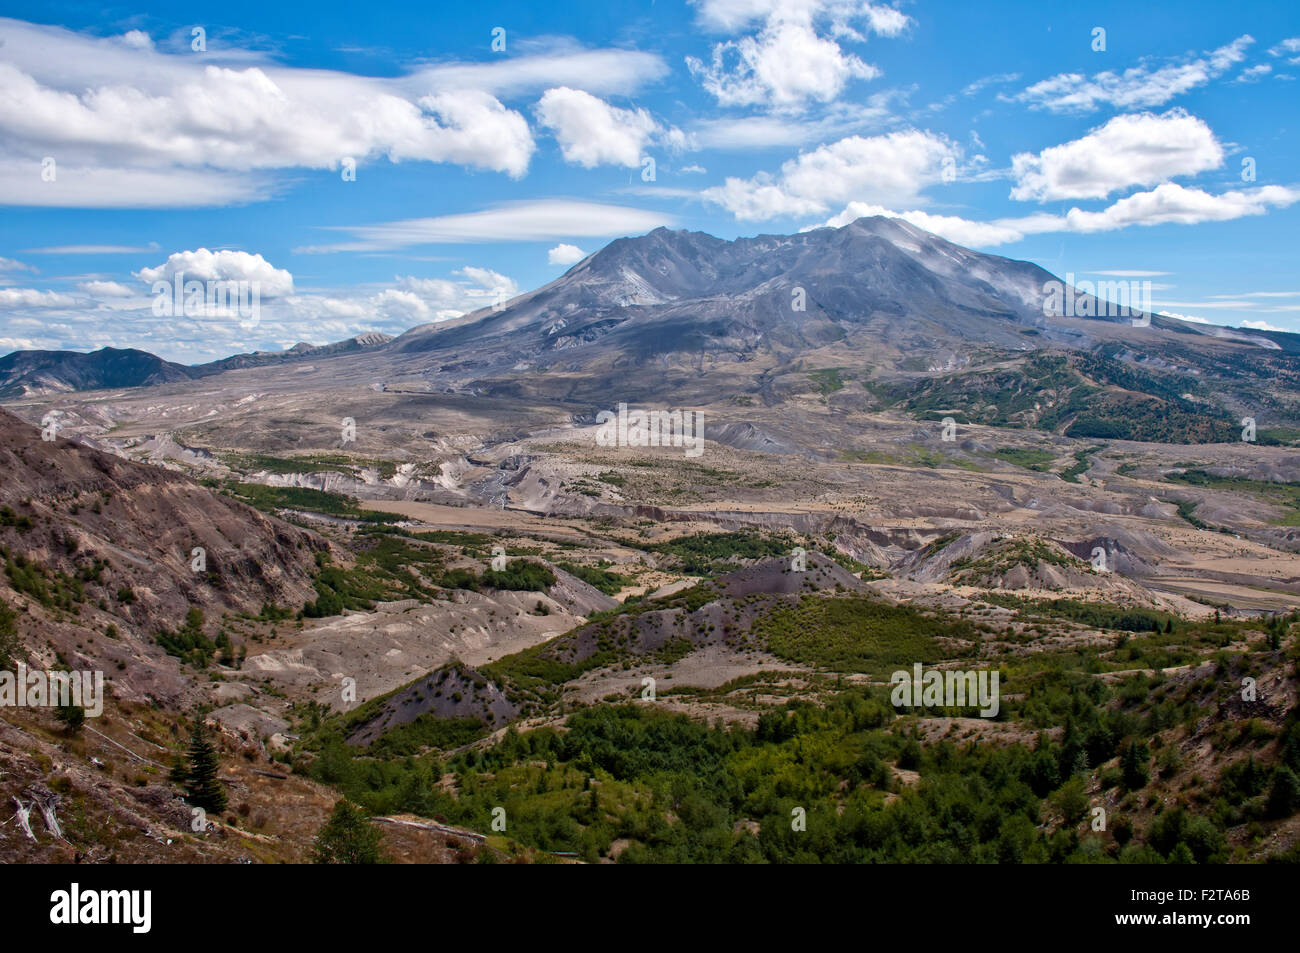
x=1138 y=87
x=543 y=220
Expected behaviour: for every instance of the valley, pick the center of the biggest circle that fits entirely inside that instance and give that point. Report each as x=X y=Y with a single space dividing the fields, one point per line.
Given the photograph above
x=427 y=586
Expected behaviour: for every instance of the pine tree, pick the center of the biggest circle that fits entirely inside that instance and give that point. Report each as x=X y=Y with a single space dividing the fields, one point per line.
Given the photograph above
x=1284 y=796
x=180 y=770
x=1133 y=766
x=347 y=837
x=202 y=789
x=72 y=716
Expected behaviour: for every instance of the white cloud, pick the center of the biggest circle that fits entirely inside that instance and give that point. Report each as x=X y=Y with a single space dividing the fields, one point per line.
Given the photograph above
x=44 y=319
x=132 y=126
x=891 y=168
x=1261 y=326
x=1173 y=203
x=419 y=300
x=955 y=229
x=1254 y=74
x=11 y=298
x=1139 y=87
x=538 y=67
x=742 y=133
x=730 y=16
x=563 y=254
x=224 y=265
x=83 y=185
x=92 y=249
x=106 y=289
x=1166 y=204
x=488 y=282
x=796 y=57
x=591 y=132
x=1137 y=149
x=786 y=65
x=404 y=306
x=1288 y=48
x=542 y=220
x=12 y=264
x=137 y=39
x=1262 y=294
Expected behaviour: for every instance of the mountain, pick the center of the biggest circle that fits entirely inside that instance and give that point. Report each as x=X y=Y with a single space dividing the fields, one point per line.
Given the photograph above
x=912 y=321
x=300 y=351
x=94 y=542
x=678 y=292
x=877 y=315
x=29 y=373
x=52 y=372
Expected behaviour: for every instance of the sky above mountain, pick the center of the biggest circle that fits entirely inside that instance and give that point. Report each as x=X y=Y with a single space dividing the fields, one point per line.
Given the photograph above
x=375 y=167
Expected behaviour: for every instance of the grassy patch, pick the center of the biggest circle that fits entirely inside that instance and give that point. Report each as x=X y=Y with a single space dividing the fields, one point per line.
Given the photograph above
x=854 y=634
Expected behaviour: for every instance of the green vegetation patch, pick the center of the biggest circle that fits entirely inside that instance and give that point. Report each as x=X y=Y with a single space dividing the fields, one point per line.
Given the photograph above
x=855 y=634
x=1027 y=457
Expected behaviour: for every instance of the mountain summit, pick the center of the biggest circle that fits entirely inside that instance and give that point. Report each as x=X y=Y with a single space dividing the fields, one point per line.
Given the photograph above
x=687 y=291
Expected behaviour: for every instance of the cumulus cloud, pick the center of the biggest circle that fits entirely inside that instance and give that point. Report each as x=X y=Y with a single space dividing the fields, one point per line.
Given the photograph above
x=12 y=298
x=106 y=289
x=1138 y=87
x=416 y=300
x=55 y=320
x=796 y=57
x=1173 y=203
x=564 y=254
x=730 y=16
x=247 y=119
x=1136 y=149
x=878 y=169
x=1261 y=326
x=130 y=125
x=225 y=265
x=591 y=132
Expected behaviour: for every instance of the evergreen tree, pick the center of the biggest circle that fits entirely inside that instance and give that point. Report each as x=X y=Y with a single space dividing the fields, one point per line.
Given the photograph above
x=347 y=837
x=1284 y=796
x=1133 y=765
x=72 y=717
x=180 y=770
x=202 y=788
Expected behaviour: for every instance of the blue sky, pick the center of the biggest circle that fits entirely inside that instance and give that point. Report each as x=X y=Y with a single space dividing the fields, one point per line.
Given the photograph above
x=131 y=149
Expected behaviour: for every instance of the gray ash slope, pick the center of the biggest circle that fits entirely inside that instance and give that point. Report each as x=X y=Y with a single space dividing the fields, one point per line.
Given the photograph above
x=689 y=317
x=688 y=291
